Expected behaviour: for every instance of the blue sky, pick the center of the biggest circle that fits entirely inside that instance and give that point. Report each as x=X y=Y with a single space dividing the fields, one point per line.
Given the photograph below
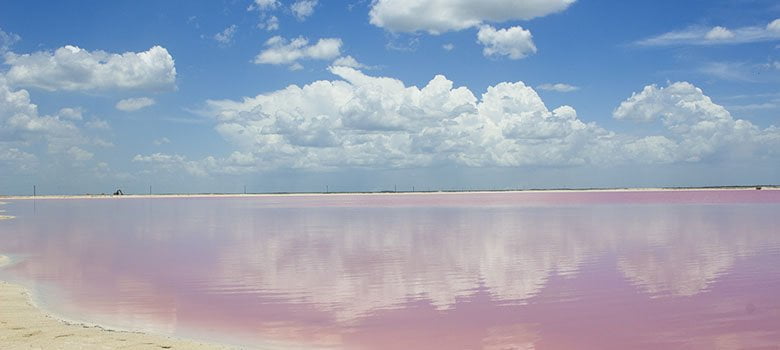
x=368 y=95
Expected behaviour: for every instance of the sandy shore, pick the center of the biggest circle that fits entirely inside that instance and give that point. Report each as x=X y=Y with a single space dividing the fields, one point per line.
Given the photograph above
x=24 y=326
x=386 y=193
x=4 y=217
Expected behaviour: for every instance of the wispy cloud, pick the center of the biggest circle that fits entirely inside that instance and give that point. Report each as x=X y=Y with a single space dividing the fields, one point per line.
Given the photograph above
x=742 y=71
x=98 y=124
x=161 y=141
x=559 y=87
x=754 y=106
x=268 y=21
x=134 y=104
x=761 y=95
x=262 y=5
x=225 y=37
x=718 y=35
x=7 y=40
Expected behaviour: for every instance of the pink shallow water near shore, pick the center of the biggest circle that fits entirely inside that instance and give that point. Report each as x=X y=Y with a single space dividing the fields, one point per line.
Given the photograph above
x=543 y=270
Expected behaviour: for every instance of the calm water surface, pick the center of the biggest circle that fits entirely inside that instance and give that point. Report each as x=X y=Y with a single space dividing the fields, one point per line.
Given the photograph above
x=595 y=270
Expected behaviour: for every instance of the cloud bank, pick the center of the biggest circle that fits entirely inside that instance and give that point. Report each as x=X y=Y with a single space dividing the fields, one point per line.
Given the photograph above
x=362 y=121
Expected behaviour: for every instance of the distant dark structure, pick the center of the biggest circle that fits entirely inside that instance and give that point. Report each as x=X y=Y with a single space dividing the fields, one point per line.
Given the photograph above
x=119 y=193
x=758 y=187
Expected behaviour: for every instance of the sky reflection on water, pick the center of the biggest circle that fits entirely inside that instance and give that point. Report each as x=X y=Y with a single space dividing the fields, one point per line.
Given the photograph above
x=449 y=271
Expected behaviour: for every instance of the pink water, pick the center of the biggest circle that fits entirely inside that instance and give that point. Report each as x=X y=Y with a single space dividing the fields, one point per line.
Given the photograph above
x=592 y=270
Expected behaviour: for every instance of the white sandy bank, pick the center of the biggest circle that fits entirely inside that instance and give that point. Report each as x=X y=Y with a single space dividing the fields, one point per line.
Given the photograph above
x=422 y=193
x=24 y=326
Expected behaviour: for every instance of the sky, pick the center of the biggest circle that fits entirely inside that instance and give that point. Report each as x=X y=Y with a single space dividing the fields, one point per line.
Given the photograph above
x=308 y=95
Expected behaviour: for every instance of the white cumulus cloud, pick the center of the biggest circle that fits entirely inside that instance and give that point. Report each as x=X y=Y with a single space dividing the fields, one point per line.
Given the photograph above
x=282 y=51
x=302 y=9
x=439 y=16
x=134 y=104
x=71 y=68
x=697 y=127
x=22 y=125
x=378 y=122
x=513 y=42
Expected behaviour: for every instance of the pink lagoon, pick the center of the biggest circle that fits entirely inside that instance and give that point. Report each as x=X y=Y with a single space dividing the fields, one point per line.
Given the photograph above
x=495 y=270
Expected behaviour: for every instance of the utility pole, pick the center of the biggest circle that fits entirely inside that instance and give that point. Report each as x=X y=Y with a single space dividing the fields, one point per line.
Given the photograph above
x=34 y=191
x=327 y=189
x=150 y=190
x=395 y=188
x=244 y=189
